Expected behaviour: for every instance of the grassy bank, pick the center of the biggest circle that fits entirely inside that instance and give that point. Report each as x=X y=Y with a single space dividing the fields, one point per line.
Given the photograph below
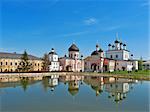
x=140 y=74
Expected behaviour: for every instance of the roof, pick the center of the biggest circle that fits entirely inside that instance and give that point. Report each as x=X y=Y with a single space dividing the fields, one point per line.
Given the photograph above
x=121 y=43
x=97 y=52
x=113 y=46
x=118 y=50
x=73 y=47
x=16 y=56
x=146 y=62
x=109 y=44
x=116 y=41
x=53 y=53
x=73 y=92
x=100 y=50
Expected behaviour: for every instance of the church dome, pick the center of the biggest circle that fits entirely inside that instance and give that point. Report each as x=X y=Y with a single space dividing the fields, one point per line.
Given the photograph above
x=100 y=50
x=95 y=53
x=73 y=47
x=53 y=52
x=109 y=44
x=124 y=44
x=73 y=92
x=116 y=41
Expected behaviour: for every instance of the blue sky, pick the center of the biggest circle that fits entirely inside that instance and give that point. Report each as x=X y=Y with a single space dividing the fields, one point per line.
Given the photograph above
x=39 y=25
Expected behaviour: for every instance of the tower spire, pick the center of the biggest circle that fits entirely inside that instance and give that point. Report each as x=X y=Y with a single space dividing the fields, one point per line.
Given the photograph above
x=117 y=36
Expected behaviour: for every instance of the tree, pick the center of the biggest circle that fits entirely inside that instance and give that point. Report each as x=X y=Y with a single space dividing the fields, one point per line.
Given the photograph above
x=24 y=65
x=140 y=64
x=24 y=83
x=45 y=62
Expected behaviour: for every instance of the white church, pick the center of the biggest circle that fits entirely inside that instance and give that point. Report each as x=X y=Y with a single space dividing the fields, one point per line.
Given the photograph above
x=117 y=57
x=54 y=62
x=124 y=60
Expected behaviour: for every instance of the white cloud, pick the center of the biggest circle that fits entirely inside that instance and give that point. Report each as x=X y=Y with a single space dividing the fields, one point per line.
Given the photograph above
x=74 y=34
x=71 y=34
x=90 y=21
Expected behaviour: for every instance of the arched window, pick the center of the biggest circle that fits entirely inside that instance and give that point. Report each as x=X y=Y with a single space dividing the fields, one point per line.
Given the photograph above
x=116 y=56
x=71 y=55
x=6 y=63
x=74 y=55
x=111 y=56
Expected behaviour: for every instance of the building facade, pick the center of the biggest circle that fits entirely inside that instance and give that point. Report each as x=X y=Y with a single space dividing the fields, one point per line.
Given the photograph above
x=146 y=65
x=72 y=62
x=9 y=62
x=94 y=63
x=117 y=57
x=54 y=62
x=123 y=59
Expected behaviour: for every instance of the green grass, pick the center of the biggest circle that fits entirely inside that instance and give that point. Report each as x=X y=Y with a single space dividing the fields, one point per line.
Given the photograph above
x=140 y=74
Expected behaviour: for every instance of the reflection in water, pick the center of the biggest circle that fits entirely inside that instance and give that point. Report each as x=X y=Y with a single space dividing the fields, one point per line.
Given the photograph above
x=116 y=87
x=53 y=81
x=96 y=84
x=117 y=90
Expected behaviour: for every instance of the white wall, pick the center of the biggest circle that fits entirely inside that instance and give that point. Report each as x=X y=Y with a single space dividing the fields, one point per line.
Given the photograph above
x=122 y=54
x=53 y=57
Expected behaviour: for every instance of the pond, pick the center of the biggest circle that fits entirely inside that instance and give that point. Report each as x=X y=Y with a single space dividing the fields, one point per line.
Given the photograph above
x=73 y=93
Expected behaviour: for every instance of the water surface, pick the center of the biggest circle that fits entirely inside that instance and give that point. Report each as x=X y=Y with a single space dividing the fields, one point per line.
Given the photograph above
x=74 y=94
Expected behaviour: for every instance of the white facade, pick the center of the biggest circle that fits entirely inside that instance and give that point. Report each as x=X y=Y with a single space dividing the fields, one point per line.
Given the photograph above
x=111 y=65
x=146 y=65
x=54 y=63
x=53 y=81
x=118 y=54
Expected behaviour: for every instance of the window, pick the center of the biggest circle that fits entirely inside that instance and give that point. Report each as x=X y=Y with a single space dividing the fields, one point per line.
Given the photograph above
x=111 y=56
x=35 y=64
x=10 y=63
x=6 y=63
x=71 y=55
x=38 y=64
x=1 y=63
x=116 y=56
x=15 y=63
x=116 y=86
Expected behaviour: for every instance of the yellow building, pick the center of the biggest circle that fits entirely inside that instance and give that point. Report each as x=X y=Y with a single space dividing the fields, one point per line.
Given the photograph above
x=9 y=62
